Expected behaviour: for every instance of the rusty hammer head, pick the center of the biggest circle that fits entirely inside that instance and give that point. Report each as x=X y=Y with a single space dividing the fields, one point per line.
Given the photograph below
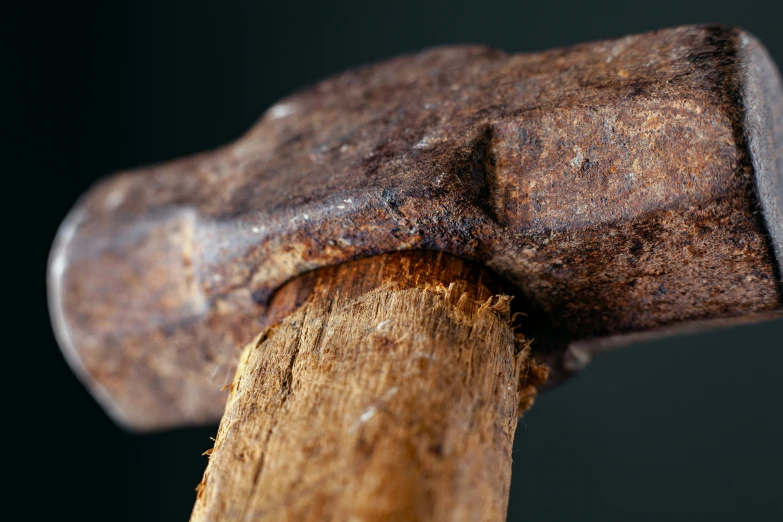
x=624 y=187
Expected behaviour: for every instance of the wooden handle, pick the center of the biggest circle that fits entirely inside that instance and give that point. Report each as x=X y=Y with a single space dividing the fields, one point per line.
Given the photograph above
x=389 y=391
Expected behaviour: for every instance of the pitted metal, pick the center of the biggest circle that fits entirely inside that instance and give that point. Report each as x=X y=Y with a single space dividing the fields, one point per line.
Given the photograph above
x=616 y=184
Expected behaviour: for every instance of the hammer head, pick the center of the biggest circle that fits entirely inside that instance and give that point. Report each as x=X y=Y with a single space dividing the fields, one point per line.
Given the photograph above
x=625 y=186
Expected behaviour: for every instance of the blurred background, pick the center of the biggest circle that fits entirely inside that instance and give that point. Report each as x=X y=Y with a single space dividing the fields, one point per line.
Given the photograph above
x=687 y=428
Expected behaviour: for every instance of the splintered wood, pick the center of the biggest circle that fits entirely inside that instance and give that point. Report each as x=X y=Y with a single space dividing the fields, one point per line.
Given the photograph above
x=388 y=390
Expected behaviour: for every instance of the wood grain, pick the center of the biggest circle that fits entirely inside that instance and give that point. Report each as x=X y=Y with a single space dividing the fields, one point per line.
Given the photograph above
x=390 y=390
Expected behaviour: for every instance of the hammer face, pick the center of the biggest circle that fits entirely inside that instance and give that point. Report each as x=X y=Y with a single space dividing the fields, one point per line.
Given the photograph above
x=623 y=186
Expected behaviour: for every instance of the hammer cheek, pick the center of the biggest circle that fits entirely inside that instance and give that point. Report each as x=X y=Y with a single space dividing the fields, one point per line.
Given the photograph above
x=623 y=186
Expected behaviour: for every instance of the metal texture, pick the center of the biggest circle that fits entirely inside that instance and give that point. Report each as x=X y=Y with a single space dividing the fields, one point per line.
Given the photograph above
x=622 y=186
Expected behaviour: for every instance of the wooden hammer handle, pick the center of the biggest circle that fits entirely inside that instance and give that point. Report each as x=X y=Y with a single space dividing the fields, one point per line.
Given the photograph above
x=389 y=391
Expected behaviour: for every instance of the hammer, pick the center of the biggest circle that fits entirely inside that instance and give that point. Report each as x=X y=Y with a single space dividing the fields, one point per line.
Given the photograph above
x=367 y=237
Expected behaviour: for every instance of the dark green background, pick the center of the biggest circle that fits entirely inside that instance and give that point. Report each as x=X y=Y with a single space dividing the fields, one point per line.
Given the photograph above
x=682 y=429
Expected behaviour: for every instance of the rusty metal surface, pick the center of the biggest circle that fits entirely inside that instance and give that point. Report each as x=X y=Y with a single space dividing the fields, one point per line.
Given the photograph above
x=622 y=186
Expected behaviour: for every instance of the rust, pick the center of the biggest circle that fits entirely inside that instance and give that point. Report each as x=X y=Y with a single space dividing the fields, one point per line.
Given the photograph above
x=622 y=186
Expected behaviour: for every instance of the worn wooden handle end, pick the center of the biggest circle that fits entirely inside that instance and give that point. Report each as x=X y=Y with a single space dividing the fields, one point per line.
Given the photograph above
x=389 y=390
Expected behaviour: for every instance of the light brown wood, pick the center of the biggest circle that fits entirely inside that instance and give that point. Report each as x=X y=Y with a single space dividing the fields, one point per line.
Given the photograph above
x=389 y=391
